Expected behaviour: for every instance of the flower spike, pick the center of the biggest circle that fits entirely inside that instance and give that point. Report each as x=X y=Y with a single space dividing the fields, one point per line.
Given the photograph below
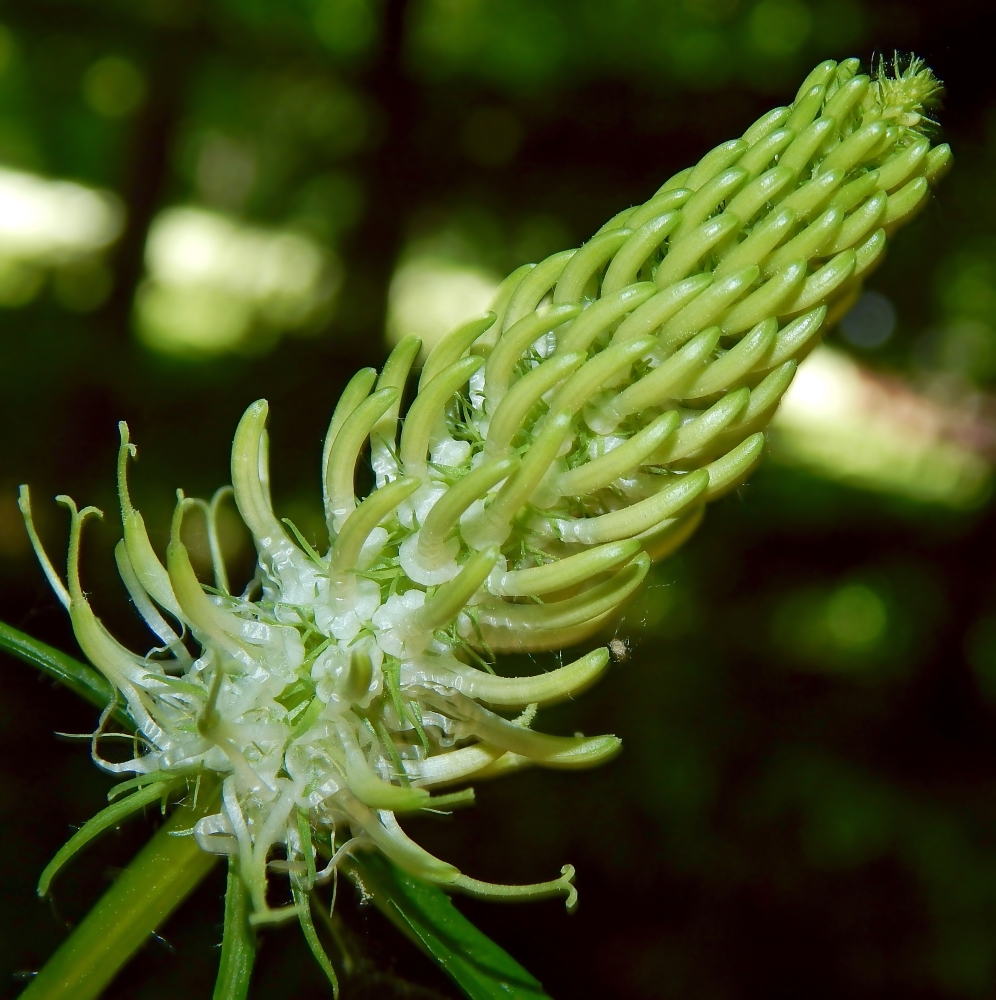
x=554 y=449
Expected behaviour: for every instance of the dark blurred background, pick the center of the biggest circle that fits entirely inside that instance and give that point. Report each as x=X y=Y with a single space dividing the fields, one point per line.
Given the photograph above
x=202 y=203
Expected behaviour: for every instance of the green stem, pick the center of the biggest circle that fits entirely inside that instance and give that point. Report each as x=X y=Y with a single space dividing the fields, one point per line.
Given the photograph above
x=160 y=877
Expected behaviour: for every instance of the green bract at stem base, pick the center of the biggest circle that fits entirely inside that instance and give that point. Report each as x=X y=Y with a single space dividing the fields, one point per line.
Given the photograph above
x=238 y=943
x=162 y=875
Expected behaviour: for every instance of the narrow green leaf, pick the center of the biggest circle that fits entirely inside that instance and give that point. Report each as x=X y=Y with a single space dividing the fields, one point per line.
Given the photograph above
x=303 y=901
x=96 y=825
x=238 y=943
x=141 y=780
x=160 y=877
x=308 y=848
x=79 y=677
x=427 y=916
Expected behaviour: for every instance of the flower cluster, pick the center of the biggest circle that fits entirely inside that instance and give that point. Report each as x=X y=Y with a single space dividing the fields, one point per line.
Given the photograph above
x=554 y=449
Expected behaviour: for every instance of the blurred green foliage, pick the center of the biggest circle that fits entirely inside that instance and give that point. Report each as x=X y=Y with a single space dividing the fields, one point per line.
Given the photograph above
x=806 y=801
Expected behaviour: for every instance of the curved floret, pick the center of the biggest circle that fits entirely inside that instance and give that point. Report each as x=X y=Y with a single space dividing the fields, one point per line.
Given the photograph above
x=553 y=450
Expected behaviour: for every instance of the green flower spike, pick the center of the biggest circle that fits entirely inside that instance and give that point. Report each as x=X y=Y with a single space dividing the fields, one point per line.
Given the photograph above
x=554 y=450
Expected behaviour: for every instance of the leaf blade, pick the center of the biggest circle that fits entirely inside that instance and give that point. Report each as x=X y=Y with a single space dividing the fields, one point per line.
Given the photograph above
x=110 y=816
x=303 y=900
x=160 y=877
x=426 y=915
x=81 y=678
